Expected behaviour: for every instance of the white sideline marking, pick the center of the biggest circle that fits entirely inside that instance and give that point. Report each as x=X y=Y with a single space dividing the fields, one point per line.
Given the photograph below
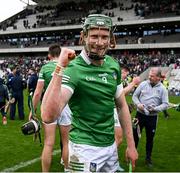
x=24 y=164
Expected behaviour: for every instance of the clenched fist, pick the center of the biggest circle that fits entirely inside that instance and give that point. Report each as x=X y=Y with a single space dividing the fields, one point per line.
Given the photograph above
x=66 y=56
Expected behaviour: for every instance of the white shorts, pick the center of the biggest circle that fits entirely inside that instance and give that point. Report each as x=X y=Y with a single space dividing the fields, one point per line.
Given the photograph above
x=116 y=119
x=64 y=119
x=86 y=158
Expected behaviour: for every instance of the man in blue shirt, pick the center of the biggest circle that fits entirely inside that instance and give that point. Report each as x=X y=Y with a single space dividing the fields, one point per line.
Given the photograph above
x=150 y=98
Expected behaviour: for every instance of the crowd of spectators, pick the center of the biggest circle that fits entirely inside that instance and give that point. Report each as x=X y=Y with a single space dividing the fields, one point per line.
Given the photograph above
x=156 y=8
x=137 y=61
x=72 y=12
x=72 y=39
x=140 y=61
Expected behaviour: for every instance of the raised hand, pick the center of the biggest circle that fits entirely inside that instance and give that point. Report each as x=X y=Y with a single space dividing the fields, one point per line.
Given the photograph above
x=66 y=56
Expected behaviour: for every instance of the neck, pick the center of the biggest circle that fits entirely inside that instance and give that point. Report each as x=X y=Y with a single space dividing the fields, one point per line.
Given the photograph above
x=54 y=59
x=97 y=62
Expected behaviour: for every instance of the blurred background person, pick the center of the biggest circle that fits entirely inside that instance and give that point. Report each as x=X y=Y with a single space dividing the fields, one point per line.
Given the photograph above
x=16 y=85
x=3 y=97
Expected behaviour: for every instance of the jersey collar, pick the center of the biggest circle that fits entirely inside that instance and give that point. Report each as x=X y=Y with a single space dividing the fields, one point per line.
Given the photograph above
x=85 y=57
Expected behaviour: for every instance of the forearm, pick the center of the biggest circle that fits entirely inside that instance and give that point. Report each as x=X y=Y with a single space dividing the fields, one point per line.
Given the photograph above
x=129 y=88
x=161 y=107
x=36 y=99
x=53 y=99
x=125 y=119
x=50 y=107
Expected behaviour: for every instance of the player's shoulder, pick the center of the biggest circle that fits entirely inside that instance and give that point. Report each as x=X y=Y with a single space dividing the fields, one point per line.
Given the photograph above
x=78 y=61
x=49 y=65
x=111 y=59
x=112 y=62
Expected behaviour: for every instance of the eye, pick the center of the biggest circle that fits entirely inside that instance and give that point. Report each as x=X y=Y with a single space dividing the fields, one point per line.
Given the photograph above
x=105 y=37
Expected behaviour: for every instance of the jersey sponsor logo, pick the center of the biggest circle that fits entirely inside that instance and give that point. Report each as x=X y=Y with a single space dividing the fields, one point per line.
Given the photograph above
x=92 y=167
x=90 y=78
x=103 y=77
x=103 y=74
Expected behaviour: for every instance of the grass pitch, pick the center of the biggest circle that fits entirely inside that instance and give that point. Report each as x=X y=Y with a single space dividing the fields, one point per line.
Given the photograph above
x=19 y=153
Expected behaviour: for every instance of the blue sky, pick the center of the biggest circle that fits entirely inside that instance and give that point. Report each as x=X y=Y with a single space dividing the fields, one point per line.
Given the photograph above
x=11 y=7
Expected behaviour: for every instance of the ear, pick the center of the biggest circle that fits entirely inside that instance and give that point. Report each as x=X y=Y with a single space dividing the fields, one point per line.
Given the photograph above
x=81 y=39
x=112 y=43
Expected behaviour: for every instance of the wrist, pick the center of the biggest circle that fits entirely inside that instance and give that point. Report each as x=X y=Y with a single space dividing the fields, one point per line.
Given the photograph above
x=131 y=145
x=59 y=70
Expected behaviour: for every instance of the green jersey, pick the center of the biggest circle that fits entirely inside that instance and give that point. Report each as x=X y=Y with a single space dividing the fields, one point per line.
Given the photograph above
x=92 y=102
x=45 y=73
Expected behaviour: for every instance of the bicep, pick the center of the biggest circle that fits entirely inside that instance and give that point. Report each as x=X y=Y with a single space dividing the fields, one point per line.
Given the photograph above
x=39 y=87
x=65 y=96
x=120 y=101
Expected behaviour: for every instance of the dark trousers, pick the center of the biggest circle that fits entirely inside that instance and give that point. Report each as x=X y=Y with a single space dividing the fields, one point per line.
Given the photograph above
x=20 y=102
x=149 y=122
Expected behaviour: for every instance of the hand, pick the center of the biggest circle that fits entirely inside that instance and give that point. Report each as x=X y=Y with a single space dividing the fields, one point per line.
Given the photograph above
x=66 y=56
x=151 y=108
x=132 y=155
x=140 y=107
x=136 y=80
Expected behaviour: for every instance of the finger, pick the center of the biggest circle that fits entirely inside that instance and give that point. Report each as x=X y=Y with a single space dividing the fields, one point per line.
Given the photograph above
x=71 y=56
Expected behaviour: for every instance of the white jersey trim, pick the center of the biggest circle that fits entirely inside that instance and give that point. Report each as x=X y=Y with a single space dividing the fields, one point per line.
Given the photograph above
x=119 y=91
x=85 y=57
x=68 y=87
x=40 y=80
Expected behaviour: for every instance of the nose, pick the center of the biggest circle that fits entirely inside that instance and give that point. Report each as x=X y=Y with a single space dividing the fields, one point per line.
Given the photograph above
x=99 y=41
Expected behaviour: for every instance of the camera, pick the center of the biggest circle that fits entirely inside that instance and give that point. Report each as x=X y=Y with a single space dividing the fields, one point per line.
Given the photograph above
x=31 y=127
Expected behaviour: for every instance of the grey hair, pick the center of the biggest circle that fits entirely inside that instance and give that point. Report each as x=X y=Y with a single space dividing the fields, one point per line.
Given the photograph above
x=157 y=70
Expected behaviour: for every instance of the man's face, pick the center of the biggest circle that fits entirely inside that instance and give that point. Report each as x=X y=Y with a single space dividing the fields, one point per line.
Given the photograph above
x=97 y=41
x=124 y=73
x=153 y=77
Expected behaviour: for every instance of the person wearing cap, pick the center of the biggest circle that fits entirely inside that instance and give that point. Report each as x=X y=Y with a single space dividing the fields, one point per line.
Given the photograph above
x=91 y=85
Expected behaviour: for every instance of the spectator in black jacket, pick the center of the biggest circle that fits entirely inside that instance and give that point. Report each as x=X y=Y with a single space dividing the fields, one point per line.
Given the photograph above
x=3 y=97
x=16 y=85
x=32 y=82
